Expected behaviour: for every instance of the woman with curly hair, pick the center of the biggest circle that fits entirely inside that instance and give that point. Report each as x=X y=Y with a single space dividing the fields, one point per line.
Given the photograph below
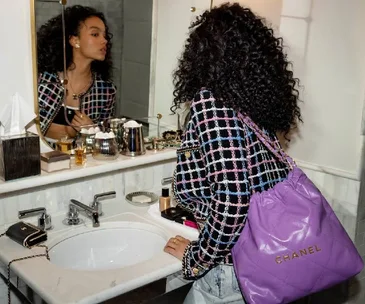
x=90 y=94
x=231 y=65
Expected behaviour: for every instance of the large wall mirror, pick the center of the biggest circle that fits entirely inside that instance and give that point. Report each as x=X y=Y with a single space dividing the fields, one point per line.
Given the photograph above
x=146 y=38
x=130 y=26
x=110 y=43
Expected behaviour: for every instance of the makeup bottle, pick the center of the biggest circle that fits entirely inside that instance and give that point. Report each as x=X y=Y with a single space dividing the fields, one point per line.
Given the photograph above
x=165 y=200
x=80 y=153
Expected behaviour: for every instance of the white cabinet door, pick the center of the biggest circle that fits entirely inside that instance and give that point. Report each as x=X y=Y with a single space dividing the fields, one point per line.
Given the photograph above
x=172 y=19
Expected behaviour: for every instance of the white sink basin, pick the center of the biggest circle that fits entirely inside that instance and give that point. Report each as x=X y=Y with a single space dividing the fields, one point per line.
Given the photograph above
x=112 y=245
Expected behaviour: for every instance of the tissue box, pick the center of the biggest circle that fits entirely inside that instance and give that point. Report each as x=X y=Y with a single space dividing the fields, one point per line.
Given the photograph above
x=19 y=156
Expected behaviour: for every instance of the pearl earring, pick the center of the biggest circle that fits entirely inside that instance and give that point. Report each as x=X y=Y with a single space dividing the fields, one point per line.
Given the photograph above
x=77 y=45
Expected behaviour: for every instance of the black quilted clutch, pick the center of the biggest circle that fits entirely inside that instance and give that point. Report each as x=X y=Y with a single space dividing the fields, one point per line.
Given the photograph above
x=26 y=234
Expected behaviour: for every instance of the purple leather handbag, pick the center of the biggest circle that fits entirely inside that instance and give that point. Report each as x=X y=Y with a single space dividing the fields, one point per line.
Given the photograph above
x=292 y=244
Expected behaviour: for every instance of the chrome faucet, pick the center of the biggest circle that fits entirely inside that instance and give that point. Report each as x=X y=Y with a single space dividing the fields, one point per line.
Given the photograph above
x=96 y=205
x=44 y=220
x=91 y=212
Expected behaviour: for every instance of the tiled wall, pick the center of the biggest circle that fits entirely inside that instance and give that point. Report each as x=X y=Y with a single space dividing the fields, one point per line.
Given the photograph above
x=357 y=289
x=55 y=197
x=342 y=194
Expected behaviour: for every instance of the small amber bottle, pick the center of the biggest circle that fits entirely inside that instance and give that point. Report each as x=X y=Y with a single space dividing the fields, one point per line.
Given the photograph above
x=165 y=200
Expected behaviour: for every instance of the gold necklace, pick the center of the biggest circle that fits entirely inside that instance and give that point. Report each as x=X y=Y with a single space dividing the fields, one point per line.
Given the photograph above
x=77 y=96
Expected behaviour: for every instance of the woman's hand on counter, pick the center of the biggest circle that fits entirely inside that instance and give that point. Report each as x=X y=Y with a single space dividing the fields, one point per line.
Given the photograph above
x=176 y=246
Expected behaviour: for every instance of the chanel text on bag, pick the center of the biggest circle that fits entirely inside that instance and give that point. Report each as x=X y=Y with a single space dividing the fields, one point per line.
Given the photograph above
x=297 y=254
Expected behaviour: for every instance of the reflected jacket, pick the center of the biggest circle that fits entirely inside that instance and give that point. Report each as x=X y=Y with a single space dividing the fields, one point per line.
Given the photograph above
x=97 y=102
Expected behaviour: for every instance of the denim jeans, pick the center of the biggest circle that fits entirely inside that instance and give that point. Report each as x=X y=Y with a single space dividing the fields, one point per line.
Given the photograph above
x=219 y=285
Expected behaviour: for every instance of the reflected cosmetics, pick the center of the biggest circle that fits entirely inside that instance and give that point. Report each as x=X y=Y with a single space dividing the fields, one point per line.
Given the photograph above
x=80 y=153
x=64 y=145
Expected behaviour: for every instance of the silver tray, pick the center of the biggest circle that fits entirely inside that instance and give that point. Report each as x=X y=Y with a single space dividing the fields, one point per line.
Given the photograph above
x=151 y=195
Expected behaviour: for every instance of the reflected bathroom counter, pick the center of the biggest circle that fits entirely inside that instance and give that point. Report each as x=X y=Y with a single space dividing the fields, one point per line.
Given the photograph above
x=92 y=167
x=57 y=283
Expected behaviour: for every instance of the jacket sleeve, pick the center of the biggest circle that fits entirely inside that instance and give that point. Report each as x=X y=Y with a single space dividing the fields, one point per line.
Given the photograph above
x=49 y=103
x=108 y=110
x=223 y=139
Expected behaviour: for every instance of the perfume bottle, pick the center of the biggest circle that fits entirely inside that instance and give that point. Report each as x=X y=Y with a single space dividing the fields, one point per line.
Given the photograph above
x=80 y=153
x=64 y=145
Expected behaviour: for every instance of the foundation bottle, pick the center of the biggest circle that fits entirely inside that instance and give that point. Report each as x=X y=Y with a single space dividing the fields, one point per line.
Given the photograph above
x=165 y=200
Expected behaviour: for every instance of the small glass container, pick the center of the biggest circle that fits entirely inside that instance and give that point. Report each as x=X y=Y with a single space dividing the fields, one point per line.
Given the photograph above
x=80 y=153
x=88 y=140
x=105 y=149
x=64 y=145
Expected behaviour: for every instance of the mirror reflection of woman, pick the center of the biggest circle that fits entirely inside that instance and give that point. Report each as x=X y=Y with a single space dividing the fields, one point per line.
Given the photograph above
x=90 y=94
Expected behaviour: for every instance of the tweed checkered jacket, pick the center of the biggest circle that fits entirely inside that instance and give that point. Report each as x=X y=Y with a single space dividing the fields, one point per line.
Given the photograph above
x=212 y=180
x=97 y=102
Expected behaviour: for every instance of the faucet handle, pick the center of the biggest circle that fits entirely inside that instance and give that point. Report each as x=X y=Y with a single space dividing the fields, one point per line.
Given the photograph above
x=90 y=211
x=99 y=195
x=96 y=205
x=44 y=220
x=166 y=180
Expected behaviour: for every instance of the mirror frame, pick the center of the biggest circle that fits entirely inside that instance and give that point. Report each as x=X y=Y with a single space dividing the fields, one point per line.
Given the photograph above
x=33 y=30
x=34 y=65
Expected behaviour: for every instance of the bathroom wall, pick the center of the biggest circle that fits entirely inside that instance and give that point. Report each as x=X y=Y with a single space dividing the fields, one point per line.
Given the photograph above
x=270 y=9
x=326 y=43
x=55 y=197
x=16 y=51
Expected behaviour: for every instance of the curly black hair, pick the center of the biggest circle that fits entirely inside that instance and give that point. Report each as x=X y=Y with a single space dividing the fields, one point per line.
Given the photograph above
x=50 y=42
x=231 y=52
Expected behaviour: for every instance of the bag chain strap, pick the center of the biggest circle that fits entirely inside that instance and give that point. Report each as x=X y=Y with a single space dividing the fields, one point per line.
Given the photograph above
x=24 y=258
x=268 y=142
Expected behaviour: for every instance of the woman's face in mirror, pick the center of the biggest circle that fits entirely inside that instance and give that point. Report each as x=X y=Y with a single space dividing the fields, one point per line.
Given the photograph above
x=91 y=42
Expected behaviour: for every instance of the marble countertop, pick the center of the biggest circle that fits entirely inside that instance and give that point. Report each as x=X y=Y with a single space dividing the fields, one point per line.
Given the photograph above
x=92 y=167
x=58 y=285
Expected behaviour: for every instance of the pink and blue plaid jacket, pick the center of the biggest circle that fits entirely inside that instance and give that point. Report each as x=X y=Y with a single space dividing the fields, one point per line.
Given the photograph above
x=212 y=181
x=97 y=102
